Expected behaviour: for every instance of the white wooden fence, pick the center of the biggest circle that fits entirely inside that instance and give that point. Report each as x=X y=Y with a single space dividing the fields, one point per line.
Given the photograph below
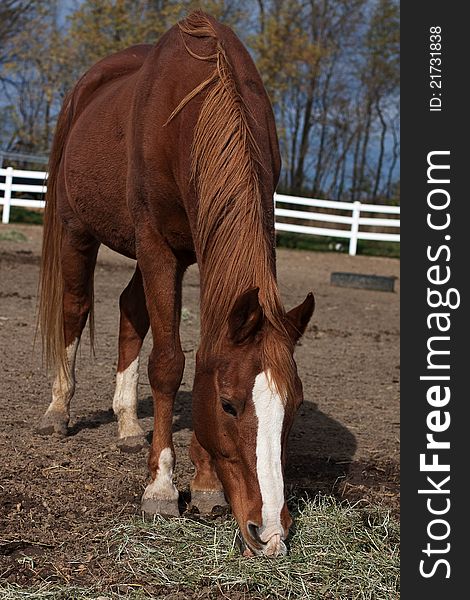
x=37 y=189
x=284 y=216
x=354 y=220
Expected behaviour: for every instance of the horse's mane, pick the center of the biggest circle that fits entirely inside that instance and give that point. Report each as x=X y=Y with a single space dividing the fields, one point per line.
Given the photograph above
x=233 y=240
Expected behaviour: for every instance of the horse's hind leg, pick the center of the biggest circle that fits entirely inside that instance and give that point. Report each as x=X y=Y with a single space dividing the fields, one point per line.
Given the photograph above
x=78 y=258
x=55 y=420
x=133 y=327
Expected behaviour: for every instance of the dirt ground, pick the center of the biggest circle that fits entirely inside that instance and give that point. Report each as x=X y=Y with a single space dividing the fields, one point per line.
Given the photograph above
x=58 y=497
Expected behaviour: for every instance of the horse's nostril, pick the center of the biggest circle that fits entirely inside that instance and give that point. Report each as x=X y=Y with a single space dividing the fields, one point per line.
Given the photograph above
x=253 y=531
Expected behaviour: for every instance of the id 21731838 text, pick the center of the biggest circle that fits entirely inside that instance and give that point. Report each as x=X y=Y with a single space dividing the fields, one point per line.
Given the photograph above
x=435 y=68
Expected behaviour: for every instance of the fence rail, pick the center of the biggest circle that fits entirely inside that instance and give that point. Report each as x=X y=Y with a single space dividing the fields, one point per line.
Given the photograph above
x=9 y=186
x=15 y=183
x=354 y=220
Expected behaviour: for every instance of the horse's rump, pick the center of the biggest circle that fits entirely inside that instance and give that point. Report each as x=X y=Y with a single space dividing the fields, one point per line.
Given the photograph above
x=113 y=67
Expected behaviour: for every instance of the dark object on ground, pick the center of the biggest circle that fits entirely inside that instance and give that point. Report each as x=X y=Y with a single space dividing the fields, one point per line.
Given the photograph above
x=367 y=282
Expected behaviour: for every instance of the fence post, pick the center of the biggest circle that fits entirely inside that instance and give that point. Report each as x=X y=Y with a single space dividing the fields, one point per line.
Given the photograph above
x=7 y=195
x=354 y=228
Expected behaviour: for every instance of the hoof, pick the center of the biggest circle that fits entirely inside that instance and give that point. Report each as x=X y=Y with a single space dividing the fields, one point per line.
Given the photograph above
x=132 y=444
x=164 y=508
x=206 y=502
x=53 y=423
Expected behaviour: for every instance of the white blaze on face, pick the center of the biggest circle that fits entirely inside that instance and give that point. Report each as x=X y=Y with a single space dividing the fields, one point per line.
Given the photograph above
x=269 y=410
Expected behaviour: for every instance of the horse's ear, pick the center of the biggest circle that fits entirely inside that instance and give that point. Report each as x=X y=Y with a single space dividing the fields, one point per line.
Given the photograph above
x=297 y=319
x=246 y=317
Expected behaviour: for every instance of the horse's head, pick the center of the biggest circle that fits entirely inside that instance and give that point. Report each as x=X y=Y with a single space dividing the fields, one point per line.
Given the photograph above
x=243 y=421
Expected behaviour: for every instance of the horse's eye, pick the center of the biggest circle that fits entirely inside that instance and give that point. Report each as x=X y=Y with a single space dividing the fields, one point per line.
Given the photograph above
x=229 y=408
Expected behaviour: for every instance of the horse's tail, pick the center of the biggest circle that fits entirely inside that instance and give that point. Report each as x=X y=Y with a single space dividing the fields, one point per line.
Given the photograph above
x=51 y=285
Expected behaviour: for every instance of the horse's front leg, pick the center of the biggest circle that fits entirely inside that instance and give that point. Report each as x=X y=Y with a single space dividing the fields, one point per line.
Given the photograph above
x=206 y=490
x=162 y=276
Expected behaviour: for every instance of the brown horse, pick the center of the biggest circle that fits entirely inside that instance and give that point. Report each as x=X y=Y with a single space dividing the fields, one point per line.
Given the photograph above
x=168 y=154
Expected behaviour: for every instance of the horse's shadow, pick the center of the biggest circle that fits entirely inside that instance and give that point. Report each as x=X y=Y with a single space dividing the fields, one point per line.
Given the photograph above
x=92 y=421
x=320 y=448
x=99 y=418
x=320 y=451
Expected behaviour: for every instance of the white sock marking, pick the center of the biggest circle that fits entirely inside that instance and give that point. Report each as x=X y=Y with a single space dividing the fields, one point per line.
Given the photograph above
x=163 y=488
x=64 y=386
x=269 y=410
x=125 y=400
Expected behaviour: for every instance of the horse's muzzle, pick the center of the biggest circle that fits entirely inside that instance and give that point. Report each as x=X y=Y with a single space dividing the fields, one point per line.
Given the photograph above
x=273 y=547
